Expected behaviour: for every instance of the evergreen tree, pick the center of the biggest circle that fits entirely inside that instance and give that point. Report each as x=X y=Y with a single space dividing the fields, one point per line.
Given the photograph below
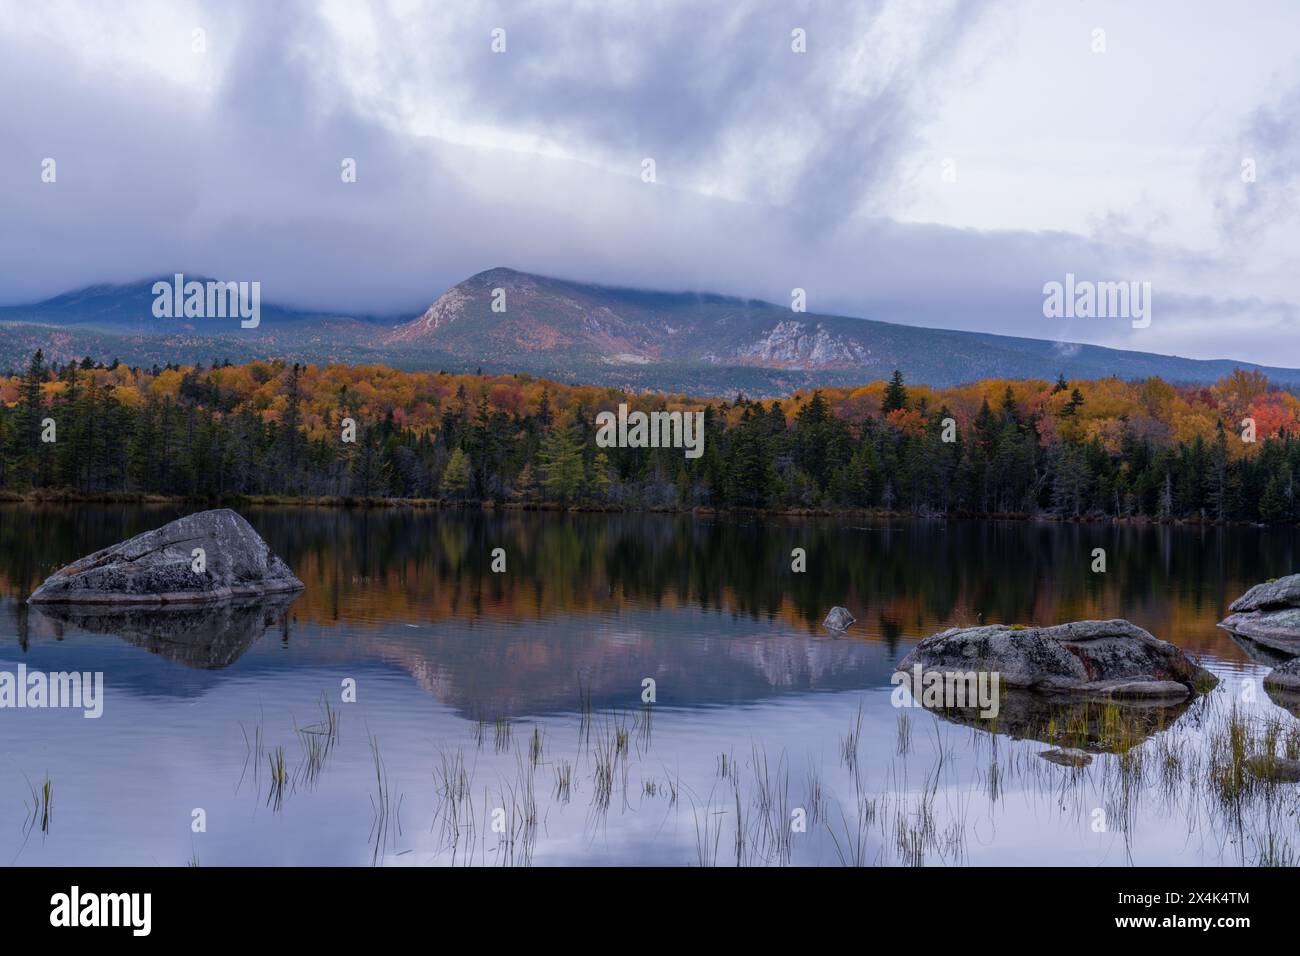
x=895 y=394
x=455 y=477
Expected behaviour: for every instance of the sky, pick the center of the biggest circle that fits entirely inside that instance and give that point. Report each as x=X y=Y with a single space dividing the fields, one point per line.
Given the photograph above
x=932 y=163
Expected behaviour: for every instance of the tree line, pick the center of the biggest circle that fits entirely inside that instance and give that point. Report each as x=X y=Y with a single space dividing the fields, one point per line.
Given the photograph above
x=1026 y=448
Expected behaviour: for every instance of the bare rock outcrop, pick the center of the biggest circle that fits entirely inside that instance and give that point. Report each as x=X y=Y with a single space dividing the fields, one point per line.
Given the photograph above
x=1269 y=613
x=162 y=566
x=1113 y=659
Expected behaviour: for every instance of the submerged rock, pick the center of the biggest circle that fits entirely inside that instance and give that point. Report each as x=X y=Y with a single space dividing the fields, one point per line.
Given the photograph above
x=838 y=619
x=1067 y=758
x=1269 y=613
x=1110 y=659
x=158 y=567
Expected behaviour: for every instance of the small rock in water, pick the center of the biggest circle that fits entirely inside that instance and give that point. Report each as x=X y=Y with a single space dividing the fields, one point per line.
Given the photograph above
x=838 y=619
x=208 y=556
x=1282 y=684
x=1285 y=677
x=1067 y=758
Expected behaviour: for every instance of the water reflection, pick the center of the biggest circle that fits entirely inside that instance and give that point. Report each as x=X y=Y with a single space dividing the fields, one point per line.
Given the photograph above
x=898 y=578
x=535 y=676
x=203 y=636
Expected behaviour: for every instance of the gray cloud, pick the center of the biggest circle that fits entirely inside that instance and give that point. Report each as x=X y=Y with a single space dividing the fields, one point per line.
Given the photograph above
x=775 y=169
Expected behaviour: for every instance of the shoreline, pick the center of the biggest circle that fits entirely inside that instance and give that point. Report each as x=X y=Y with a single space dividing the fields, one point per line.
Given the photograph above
x=46 y=497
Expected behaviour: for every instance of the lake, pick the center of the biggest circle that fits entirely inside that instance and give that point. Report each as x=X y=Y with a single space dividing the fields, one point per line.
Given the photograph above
x=499 y=717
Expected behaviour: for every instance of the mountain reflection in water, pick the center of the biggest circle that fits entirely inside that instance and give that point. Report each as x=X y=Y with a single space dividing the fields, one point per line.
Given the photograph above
x=454 y=662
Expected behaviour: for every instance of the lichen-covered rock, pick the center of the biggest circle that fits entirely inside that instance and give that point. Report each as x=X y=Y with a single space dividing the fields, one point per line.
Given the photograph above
x=1283 y=592
x=158 y=567
x=1095 y=658
x=838 y=619
x=1269 y=613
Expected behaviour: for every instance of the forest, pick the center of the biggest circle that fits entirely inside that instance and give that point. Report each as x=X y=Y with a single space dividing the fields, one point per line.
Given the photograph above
x=1226 y=452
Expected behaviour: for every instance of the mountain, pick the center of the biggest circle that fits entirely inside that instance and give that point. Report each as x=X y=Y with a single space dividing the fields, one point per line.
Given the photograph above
x=616 y=334
x=131 y=306
x=507 y=321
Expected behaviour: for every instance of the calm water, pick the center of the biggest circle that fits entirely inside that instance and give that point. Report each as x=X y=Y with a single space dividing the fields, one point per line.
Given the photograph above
x=522 y=692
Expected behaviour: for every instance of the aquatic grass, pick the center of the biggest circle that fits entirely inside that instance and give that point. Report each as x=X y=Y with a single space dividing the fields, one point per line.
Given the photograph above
x=535 y=746
x=501 y=739
x=1276 y=852
x=317 y=741
x=585 y=711
x=854 y=851
x=41 y=810
x=563 y=781
x=725 y=763
x=385 y=812
x=849 y=744
x=674 y=786
x=604 y=755
x=772 y=801
x=708 y=832
x=313 y=758
x=518 y=809
x=645 y=730
x=815 y=797
x=1231 y=745
x=253 y=749
x=621 y=734
x=904 y=744
x=454 y=785
x=279 y=778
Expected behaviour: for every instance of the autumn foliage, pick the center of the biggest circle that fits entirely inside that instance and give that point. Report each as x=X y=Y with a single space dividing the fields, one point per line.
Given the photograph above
x=1100 y=447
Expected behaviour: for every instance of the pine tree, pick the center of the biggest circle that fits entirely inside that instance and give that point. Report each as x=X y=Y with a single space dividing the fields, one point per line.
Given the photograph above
x=895 y=394
x=560 y=457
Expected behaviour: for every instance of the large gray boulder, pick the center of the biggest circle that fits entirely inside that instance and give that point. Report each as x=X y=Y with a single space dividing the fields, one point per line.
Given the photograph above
x=1269 y=613
x=1110 y=659
x=157 y=567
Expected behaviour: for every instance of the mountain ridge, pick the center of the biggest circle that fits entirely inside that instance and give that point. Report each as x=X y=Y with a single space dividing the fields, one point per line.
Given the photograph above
x=501 y=319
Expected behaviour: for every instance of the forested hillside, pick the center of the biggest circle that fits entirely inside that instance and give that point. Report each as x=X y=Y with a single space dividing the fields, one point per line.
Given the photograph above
x=1070 y=449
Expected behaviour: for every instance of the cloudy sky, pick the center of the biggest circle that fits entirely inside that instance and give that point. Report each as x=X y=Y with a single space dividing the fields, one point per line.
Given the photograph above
x=925 y=162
